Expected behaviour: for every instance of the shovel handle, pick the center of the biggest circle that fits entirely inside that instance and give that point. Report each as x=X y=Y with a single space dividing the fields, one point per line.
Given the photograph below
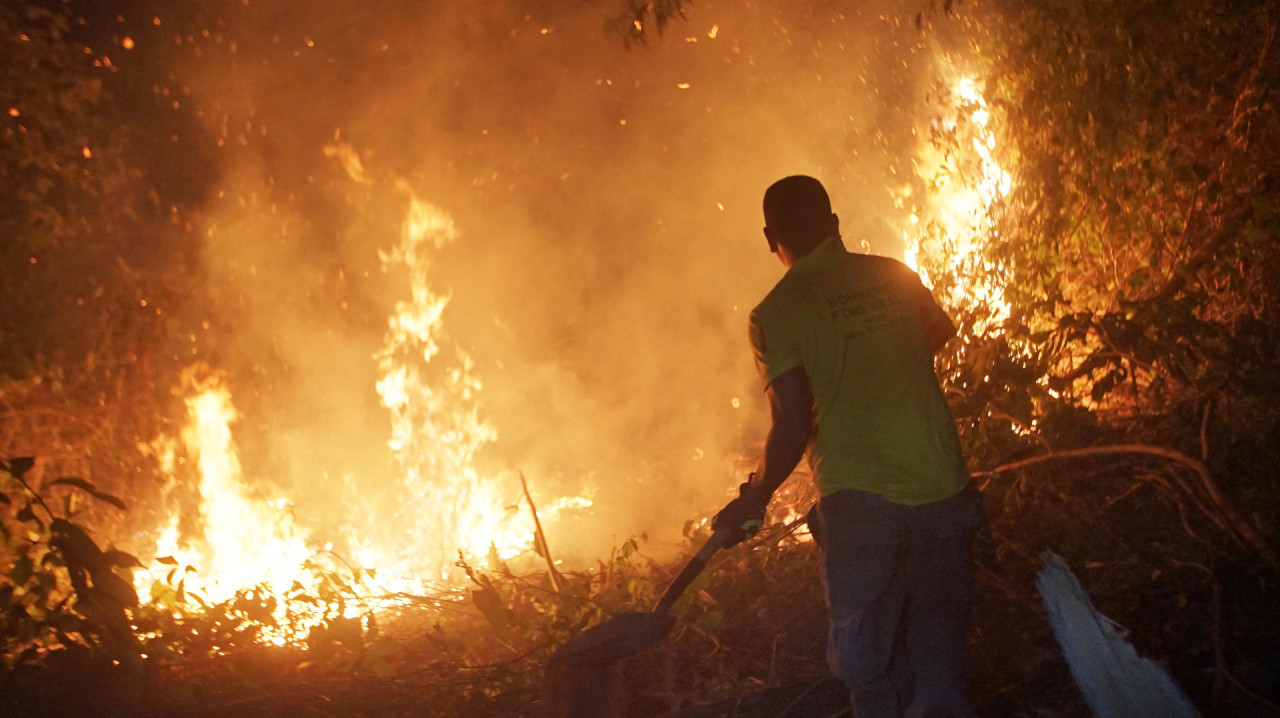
x=691 y=571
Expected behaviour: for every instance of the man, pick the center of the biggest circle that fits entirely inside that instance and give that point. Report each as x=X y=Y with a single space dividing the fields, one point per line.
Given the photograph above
x=844 y=344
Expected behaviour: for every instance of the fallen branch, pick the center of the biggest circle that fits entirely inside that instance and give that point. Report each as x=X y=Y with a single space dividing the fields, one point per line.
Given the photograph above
x=540 y=539
x=1216 y=508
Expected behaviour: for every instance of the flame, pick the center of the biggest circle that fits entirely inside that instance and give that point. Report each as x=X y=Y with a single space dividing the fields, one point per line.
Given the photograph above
x=966 y=184
x=443 y=506
x=249 y=540
x=436 y=429
x=243 y=540
x=239 y=538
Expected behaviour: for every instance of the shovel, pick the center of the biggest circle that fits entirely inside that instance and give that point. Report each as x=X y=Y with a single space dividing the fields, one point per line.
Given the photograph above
x=626 y=634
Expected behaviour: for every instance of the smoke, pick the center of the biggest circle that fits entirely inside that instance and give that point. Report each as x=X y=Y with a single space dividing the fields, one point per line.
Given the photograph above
x=607 y=207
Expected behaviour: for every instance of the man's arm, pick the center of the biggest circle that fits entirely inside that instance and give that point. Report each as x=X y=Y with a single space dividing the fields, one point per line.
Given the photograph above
x=791 y=406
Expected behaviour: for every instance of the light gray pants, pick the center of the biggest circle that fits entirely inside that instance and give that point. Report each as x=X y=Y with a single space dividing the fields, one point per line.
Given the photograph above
x=901 y=592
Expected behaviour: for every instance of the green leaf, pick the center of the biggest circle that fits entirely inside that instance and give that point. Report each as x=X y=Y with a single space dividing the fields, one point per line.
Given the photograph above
x=347 y=631
x=1104 y=385
x=20 y=466
x=46 y=582
x=22 y=570
x=26 y=630
x=492 y=608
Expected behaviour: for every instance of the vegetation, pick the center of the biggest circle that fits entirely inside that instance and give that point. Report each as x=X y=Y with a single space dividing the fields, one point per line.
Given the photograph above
x=1125 y=413
x=96 y=250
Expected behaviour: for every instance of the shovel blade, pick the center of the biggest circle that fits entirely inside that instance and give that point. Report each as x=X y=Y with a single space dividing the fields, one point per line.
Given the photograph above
x=622 y=636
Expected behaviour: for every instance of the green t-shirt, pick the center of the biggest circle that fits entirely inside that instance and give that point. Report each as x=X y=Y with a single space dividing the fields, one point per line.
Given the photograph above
x=859 y=326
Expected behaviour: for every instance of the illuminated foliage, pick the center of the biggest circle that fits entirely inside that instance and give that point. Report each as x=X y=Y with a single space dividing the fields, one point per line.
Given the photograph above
x=71 y=208
x=96 y=252
x=1142 y=217
x=61 y=591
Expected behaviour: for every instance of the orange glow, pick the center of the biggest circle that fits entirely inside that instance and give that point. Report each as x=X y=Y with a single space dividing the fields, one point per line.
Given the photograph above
x=436 y=429
x=965 y=184
x=243 y=540
x=247 y=537
x=377 y=440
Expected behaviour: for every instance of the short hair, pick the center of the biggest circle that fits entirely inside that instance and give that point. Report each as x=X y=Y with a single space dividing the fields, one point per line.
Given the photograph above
x=797 y=205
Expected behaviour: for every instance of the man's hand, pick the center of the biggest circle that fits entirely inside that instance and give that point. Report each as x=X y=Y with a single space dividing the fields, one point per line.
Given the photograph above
x=742 y=517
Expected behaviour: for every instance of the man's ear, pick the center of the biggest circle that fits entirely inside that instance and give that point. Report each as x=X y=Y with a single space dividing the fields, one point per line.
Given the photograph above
x=773 y=241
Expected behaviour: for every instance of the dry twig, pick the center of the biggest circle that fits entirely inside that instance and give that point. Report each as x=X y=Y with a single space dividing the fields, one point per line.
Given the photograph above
x=1206 y=494
x=540 y=538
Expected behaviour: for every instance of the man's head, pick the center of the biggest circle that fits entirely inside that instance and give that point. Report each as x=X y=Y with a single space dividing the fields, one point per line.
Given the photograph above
x=797 y=217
